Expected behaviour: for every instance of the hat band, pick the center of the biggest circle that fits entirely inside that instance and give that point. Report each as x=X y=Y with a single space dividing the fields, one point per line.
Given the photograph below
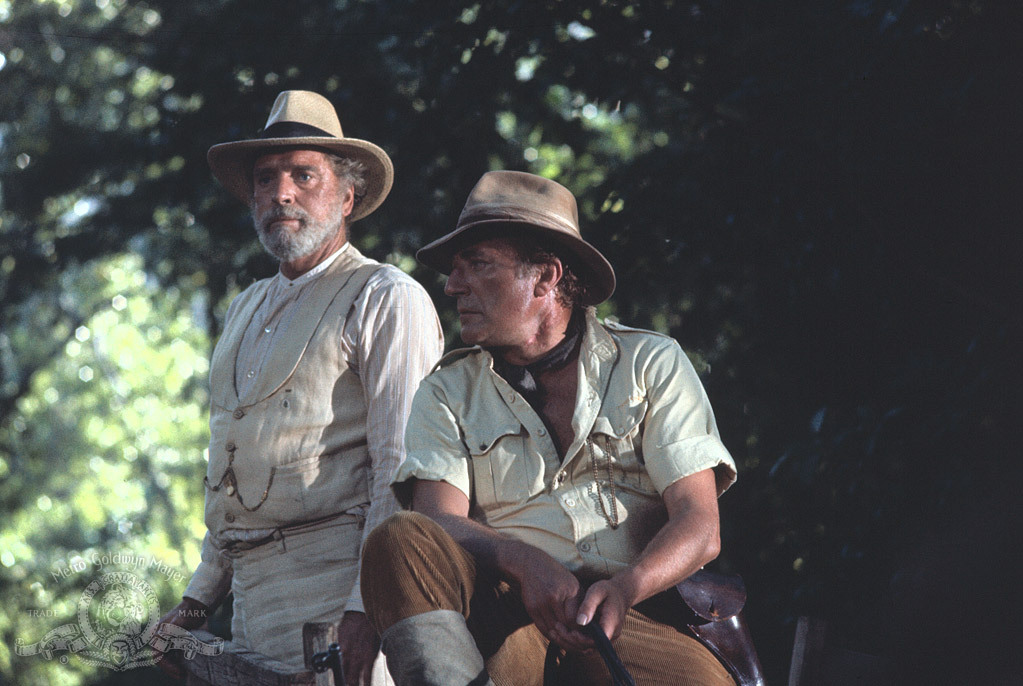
x=290 y=129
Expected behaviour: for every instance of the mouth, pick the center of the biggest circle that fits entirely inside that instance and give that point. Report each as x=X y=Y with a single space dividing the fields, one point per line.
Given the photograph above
x=284 y=218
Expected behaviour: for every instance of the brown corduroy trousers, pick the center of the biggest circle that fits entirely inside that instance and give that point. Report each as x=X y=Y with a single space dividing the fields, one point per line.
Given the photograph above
x=411 y=566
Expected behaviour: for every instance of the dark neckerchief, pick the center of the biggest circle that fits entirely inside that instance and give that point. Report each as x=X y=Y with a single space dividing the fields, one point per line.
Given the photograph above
x=523 y=378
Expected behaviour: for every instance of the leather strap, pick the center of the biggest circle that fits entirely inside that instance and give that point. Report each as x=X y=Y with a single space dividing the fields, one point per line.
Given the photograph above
x=619 y=674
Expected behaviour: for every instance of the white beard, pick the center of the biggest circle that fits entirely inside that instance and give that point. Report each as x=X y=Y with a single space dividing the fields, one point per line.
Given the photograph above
x=288 y=246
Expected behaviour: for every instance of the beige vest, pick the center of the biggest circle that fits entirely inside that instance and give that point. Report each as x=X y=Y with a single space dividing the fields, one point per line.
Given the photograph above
x=295 y=450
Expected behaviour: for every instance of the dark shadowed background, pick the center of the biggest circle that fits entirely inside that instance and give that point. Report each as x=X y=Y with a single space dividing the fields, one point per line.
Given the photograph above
x=819 y=199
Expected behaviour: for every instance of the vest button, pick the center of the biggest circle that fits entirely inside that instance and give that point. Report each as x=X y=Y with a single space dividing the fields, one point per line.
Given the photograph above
x=229 y=490
x=239 y=413
x=229 y=517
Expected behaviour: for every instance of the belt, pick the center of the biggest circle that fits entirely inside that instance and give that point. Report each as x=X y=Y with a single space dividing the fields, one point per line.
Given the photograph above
x=282 y=532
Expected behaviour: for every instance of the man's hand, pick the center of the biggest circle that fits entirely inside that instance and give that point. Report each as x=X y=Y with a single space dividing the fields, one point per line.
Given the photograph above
x=689 y=540
x=188 y=614
x=359 y=646
x=551 y=595
x=606 y=603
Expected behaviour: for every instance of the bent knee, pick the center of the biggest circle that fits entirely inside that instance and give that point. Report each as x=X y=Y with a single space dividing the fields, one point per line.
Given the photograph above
x=390 y=541
x=398 y=527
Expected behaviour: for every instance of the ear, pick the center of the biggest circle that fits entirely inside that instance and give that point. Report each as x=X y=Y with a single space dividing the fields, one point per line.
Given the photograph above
x=549 y=275
x=348 y=202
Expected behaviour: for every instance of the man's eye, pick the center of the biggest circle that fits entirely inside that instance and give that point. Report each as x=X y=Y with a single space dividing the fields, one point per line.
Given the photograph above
x=303 y=176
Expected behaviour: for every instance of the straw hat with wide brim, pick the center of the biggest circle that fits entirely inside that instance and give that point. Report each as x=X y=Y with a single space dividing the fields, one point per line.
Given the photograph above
x=512 y=200
x=305 y=120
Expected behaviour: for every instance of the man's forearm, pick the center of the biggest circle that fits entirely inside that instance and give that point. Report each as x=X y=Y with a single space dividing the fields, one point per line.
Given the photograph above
x=685 y=543
x=211 y=581
x=491 y=549
x=549 y=592
x=674 y=554
x=506 y=557
x=689 y=540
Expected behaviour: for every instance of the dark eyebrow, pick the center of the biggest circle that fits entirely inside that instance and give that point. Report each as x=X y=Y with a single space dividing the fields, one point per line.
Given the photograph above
x=469 y=253
x=290 y=170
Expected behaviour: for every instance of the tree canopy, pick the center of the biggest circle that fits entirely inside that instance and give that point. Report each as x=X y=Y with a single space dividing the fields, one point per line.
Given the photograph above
x=818 y=199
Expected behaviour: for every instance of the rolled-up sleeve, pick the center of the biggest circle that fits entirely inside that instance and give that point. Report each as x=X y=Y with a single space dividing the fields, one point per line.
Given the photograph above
x=680 y=435
x=434 y=445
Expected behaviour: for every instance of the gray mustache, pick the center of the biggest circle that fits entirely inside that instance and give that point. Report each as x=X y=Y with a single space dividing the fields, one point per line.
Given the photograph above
x=284 y=213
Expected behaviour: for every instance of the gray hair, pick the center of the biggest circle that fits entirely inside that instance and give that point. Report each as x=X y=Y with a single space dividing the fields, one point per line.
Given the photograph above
x=571 y=289
x=351 y=171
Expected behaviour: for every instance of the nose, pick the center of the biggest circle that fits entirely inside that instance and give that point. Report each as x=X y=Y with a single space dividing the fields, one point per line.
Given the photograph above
x=282 y=190
x=455 y=285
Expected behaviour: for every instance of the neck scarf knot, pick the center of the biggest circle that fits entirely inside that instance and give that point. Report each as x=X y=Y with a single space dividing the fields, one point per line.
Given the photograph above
x=523 y=378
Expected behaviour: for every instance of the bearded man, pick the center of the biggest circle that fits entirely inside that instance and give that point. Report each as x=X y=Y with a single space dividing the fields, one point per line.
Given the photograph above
x=311 y=384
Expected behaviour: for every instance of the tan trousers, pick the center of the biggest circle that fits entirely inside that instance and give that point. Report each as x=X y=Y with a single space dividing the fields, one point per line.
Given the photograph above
x=412 y=566
x=302 y=578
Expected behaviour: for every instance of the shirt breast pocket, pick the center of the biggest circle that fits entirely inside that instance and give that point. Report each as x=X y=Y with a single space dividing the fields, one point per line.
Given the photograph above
x=617 y=439
x=500 y=464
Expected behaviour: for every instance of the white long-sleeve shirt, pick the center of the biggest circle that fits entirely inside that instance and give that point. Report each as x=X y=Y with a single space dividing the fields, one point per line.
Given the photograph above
x=391 y=339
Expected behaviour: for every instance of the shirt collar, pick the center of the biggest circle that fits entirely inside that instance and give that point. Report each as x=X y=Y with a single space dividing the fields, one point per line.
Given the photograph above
x=315 y=271
x=596 y=339
x=597 y=342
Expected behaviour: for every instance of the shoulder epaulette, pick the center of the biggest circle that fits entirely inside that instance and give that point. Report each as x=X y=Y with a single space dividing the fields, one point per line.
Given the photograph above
x=618 y=327
x=454 y=356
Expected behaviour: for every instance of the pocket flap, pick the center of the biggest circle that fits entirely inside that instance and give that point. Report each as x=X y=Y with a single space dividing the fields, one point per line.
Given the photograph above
x=480 y=439
x=620 y=422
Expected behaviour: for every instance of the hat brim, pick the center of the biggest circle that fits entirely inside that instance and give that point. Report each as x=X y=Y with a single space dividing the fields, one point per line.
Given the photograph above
x=598 y=274
x=231 y=164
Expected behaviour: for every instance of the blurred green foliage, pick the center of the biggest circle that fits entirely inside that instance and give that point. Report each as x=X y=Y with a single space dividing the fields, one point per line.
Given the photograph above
x=101 y=456
x=819 y=199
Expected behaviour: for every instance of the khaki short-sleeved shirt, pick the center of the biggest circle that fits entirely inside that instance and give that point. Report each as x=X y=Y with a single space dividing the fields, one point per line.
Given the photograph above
x=639 y=407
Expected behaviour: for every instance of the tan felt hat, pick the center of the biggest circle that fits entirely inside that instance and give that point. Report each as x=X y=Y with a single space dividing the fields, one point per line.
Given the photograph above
x=537 y=205
x=302 y=119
